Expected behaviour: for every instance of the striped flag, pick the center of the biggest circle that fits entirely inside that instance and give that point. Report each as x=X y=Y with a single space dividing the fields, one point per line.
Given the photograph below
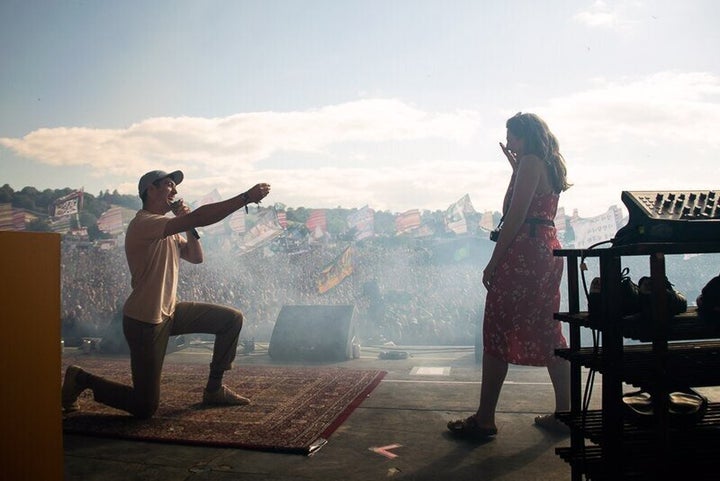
x=6 y=217
x=13 y=219
x=19 y=219
x=282 y=218
x=236 y=221
x=363 y=221
x=111 y=221
x=335 y=272
x=407 y=221
x=317 y=222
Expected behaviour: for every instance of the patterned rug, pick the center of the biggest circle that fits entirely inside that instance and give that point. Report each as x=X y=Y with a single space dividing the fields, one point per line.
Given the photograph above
x=293 y=410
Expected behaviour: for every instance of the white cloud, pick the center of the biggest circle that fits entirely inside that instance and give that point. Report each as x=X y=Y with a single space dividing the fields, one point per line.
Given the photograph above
x=225 y=152
x=240 y=140
x=429 y=185
x=602 y=15
x=665 y=108
x=640 y=133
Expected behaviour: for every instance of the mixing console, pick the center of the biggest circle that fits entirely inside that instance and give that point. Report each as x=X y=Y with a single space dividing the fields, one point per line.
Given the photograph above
x=670 y=216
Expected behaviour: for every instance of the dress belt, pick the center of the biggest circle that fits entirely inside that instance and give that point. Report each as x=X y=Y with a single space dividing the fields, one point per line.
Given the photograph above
x=534 y=222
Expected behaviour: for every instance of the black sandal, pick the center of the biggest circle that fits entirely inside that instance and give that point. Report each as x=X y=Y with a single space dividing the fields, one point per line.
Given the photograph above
x=468 y=428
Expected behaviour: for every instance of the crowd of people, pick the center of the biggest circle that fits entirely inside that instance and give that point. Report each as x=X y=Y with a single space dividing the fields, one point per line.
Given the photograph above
x=403 y=292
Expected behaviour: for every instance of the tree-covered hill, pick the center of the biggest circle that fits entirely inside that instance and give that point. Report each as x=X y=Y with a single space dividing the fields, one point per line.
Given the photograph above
x=39 y=203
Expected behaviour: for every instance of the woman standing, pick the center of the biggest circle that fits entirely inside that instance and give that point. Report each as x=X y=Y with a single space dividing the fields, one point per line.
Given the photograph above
x=523 y=277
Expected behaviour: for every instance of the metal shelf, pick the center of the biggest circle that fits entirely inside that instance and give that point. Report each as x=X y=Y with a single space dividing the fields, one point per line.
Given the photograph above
x=682 y=327
x=590 y=460
x=687 y=364
x=673 y=353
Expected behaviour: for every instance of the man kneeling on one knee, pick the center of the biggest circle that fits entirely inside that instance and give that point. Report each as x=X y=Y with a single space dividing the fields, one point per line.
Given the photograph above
x=151 y=314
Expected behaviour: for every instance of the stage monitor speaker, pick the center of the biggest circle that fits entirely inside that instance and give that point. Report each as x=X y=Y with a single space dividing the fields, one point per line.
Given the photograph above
x=313 y=333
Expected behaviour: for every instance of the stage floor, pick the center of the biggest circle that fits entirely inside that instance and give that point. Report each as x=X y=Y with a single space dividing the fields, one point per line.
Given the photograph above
x=398 y=432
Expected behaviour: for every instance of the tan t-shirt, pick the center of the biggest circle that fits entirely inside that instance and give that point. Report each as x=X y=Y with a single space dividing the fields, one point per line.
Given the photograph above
x=154 y=263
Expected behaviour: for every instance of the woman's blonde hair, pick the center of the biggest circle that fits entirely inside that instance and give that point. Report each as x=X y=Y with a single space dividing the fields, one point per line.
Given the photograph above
x=539 y=141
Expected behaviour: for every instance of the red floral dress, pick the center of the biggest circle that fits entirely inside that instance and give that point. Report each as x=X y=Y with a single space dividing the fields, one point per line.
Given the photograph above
x=525 y=293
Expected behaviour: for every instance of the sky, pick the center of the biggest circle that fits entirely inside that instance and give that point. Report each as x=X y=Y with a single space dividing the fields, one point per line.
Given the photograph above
x=394 y=104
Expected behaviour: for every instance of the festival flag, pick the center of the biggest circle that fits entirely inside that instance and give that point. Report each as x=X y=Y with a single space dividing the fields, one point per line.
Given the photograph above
x=487 y=222
x=317 y=222
x=68 y=205
x=407 y=221
x=595 y=229
x=6 y=217
x=111 y=221
x=13 y=219
x=60 y=225
x=363 y=221
x=236 y=221
x=335 y=272
x=19 y=218
x=282 y=218
x=211 y=198
x=80 y=233
x=265 y=229
x=455 y=215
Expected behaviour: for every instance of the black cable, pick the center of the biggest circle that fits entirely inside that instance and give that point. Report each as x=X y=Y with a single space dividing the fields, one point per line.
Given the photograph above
x=590 y=381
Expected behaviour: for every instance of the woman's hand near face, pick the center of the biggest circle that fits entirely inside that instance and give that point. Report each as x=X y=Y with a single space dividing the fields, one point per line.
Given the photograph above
x=510 y=156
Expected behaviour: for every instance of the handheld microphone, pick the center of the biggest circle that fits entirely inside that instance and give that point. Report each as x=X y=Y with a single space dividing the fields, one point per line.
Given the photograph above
x=176 y=205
